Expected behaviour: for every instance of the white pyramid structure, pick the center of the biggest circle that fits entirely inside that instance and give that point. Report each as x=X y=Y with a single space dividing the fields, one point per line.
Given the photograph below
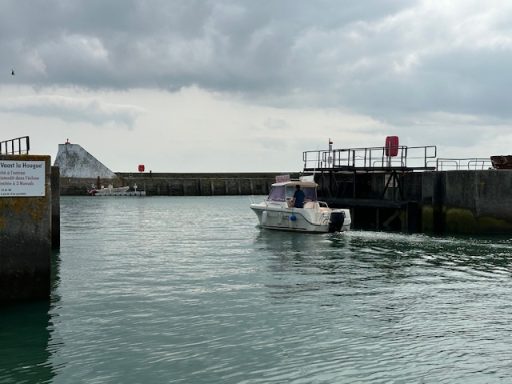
x=74 y=161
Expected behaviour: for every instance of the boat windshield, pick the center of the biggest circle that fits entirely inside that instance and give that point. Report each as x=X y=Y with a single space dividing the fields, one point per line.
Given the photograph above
x=281 y=193
x=277 y=193
x=309 y=193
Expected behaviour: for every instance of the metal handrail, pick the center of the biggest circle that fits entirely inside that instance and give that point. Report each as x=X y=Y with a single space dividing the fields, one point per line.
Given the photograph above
x=472 y=163
x=370 y=157
x=17 y=146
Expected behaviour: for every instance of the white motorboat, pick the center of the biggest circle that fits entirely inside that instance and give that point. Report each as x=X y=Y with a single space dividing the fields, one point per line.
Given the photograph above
x=115 y=191
x=277 y=210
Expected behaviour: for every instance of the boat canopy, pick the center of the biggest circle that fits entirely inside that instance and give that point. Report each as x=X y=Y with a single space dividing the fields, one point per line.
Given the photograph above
x=284 y=191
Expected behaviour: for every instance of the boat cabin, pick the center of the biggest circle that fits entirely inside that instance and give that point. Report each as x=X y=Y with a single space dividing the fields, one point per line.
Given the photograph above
x=281 y=192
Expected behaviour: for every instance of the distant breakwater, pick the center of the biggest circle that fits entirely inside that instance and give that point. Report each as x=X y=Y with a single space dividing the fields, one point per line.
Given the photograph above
x=180 y=184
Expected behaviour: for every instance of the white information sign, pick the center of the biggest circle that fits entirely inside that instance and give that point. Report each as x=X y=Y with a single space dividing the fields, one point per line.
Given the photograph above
x=19 y=178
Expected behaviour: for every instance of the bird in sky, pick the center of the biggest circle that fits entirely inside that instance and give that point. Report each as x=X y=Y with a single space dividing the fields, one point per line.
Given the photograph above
x=12 y=72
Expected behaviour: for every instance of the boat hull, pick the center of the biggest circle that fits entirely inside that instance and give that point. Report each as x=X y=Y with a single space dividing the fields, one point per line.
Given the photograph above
x=298 y=219
x=118 y=191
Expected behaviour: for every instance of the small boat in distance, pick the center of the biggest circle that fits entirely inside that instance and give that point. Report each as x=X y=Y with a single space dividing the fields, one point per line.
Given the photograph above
x=115 y=191
x=277 y=210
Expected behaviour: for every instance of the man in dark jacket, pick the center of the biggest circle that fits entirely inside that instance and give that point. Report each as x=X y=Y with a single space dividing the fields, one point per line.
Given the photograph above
x=298 y=197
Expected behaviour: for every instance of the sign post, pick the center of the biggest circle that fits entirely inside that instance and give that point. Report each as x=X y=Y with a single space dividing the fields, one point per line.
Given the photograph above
x=22 y=178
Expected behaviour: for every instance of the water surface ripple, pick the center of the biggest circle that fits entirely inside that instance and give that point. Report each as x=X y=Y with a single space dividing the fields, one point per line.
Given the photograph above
x=188 y=290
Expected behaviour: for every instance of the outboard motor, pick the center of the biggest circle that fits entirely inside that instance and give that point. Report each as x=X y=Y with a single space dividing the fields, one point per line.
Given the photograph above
x=336 y=221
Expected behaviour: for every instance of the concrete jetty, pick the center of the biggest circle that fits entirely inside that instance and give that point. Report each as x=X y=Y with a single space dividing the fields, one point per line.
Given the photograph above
x=476 y=202
x=397 y=194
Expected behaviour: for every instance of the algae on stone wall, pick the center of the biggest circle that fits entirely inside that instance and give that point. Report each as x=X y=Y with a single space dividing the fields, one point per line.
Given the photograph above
x=427 y=219
x=463 y=221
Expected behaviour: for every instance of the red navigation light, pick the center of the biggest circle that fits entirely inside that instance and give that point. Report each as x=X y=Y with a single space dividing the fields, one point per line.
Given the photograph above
x=141 y=168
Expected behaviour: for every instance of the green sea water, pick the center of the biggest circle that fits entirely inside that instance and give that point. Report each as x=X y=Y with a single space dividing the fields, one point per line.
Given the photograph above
x=189 y=290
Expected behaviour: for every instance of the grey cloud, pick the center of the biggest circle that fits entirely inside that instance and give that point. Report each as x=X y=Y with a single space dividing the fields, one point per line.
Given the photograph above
x=276 y=124
x=388 y=59
x=226 y=45
x=72 y=109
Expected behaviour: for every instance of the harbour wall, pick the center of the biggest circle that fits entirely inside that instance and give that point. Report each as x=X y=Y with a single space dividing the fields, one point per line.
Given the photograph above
x=80 y=171
x=467 y=202
x=179 y=184
x=440 y=202
x=25 y=227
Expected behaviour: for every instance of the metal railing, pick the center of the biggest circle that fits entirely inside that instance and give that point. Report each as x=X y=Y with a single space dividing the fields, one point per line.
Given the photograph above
x=18 y=146
x=470 y=164
x=370 y=158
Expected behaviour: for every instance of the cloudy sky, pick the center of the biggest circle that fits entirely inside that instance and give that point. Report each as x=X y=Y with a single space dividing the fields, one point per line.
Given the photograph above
x=246 y=85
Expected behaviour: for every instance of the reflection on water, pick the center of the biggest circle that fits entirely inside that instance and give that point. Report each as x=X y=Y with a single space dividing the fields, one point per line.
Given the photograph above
x=471 y=255
x=431 y=304
x=395 y=255
x=24 y=339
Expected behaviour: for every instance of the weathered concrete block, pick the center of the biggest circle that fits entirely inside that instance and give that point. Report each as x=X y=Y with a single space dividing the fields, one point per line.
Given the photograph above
x=246 y=186
x=218 y=186
x=191 y=187
x=232 y=186
x=205 y=187
x=25 y=228
x=260 y=186
x=176 y=187
x=75 y=162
